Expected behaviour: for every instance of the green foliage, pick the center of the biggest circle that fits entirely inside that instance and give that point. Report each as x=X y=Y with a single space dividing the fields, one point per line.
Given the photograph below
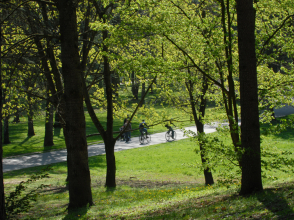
x=220 y=156
x=19 y=201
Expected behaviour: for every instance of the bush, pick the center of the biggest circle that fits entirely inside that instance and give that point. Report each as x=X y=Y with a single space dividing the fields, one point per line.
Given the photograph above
x=20 y=200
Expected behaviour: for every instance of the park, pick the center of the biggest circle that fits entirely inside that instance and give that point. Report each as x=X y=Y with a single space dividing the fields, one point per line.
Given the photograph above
x=153 y=109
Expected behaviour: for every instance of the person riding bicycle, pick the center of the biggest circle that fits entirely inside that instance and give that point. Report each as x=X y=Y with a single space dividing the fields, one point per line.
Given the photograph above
x=170 y=129
x=143 y=128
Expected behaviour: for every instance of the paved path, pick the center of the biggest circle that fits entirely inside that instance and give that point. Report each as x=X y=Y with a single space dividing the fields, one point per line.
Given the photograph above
x=38 y=159
x=20 y=162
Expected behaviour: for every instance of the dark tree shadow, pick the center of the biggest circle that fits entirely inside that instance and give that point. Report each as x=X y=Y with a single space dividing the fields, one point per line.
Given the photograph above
x=25 y=140
x=274 y=200
x=76 y=214
x=57 y=131
x=110 y=189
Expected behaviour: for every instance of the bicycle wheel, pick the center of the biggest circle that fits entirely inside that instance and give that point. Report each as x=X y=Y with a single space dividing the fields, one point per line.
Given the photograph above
x=167 y=136
x=175 y=135
x=148 y=138
x=141 y=139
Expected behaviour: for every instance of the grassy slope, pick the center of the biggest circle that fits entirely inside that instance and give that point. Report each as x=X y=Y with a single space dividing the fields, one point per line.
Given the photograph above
x=154 y=183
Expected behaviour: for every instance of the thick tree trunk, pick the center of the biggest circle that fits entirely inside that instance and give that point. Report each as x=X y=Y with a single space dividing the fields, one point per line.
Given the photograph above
x=250 y=132
x=79 y=181
x=48 y=139
x=2 y=198
x=6 y=131
x=31 y=131
x=110 y=161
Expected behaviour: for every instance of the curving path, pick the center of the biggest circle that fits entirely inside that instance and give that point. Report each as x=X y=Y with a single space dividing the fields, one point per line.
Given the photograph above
x=39 y=159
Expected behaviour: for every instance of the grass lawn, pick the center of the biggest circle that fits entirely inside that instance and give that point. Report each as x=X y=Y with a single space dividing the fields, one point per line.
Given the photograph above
x=22 y=144
x=154 y=183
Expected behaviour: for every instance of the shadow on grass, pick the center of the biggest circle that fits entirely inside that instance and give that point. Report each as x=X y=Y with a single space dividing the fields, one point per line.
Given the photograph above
x=76 y=214
x=57 y=131
x=286 y=133
x=110 y=189
x=97 y=161
x=273 y=200
x=25 y=140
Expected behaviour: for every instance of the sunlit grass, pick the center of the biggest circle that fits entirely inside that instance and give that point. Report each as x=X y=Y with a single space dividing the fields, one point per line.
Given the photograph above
x=154 y=183
x=22 y=144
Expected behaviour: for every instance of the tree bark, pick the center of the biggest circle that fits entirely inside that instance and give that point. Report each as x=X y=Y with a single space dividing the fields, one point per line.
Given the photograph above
x=110 y=161
x=79 y=180
x=31 y=131
x=6 y=131
x=115 y=82
x=48 y=139
x=135 y=86
x=250 y=132
x=109 y=141
x=2 y=198
x=230 y=97
x=143 y=91
x=200 y=126
x=57 y=123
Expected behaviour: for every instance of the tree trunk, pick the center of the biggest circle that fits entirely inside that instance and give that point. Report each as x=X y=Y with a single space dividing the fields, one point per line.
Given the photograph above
x=143 y=89
x=135 y=86
x=115 y=83
x=6 y=131
x=2 y=198
x=110 y=161
x=57 y=123
x=16 y=117
x=200 y=126
x=79 y=180
x=31 y=131
x=109 y=141
x=250 y=132
x=143 y=92
x=48 y=139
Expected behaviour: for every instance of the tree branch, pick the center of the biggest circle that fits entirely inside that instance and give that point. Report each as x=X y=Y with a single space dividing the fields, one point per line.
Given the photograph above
x=270 y=37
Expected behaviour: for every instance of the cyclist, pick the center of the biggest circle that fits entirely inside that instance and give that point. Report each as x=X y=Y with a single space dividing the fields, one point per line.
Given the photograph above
x=143 y=128
x=170 y=129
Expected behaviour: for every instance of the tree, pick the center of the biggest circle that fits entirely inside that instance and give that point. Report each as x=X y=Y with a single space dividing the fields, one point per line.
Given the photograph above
x=79 y=181
x=213 y=39
x=250 y=133
x=198 y=116
x=110 y=58
x=2 y=201
x=2 y=197
x=48 y=139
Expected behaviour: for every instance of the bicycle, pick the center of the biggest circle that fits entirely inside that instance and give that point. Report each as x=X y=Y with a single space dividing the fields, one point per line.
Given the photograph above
x=144 y=139
x=168 y=136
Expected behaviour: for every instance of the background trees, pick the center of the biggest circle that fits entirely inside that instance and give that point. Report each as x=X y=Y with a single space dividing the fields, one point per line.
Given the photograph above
x=190 y=49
